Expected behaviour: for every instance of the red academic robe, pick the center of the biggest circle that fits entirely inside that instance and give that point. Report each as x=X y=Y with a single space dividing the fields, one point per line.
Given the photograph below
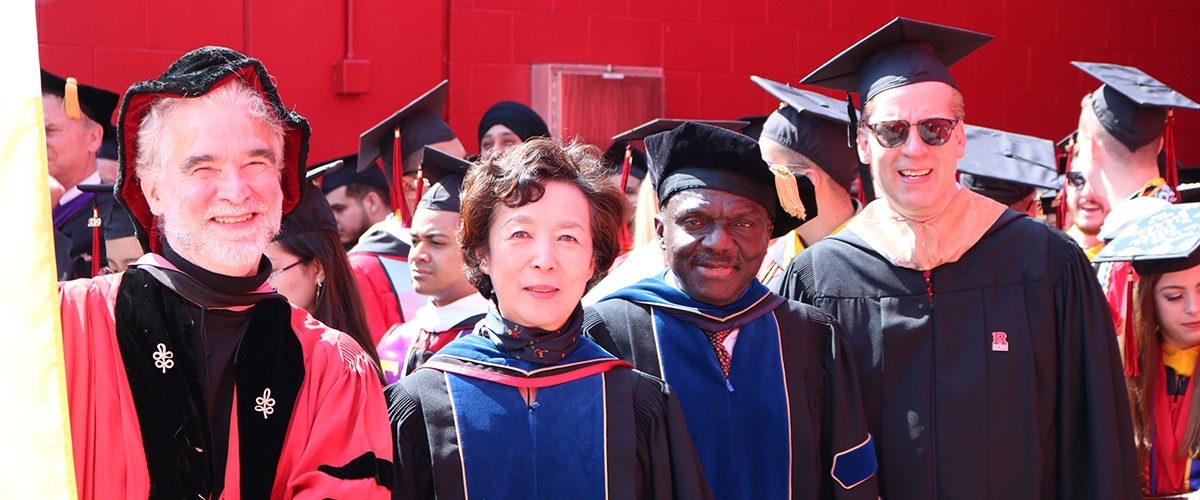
x=339 y=414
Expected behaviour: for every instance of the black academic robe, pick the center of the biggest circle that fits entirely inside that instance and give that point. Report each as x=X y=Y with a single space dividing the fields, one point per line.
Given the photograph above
x=787 y=420
x=612 y=433
x=998 y=378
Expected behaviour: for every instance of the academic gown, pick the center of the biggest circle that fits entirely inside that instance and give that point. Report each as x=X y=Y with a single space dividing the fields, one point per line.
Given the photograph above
x=998 y=378
x=380 y=264
x=597 y=429
x=308 y=419
x=787 y=422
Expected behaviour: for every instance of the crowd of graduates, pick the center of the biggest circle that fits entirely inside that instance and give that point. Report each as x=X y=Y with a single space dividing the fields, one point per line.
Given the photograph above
x=699 y=309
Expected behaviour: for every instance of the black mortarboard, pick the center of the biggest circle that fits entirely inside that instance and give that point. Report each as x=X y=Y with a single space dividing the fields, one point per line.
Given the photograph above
x=614 y=156
x=312 y=214
x=697 y=155
x=754 y=125
x=195 y=74
x=1162 y=242
x=324 y=169
x=446 y=172
x=813 y=125
x=1007 y=167
x=1130 y=104
x=519 y=118
x=117 y=224
x=664 y=124
x=97 y=104
x=420 y=124
x=349 y=176
x=902 y=52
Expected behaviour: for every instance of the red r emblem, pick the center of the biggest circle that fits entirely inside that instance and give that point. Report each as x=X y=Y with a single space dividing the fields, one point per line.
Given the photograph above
x=999 y=341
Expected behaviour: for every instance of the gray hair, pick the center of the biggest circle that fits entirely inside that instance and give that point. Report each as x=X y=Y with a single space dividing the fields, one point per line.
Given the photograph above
x=153 y=137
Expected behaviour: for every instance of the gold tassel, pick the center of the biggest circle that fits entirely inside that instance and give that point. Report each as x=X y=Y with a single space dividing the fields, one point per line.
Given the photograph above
x=789 y=192
x=71 y=100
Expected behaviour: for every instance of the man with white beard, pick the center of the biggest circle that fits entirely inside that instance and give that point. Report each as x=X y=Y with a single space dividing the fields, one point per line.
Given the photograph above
x=188 y=376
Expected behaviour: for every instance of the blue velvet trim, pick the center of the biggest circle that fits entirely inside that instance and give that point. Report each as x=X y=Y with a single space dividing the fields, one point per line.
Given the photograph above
x=732 y=420
x=553 y=450
x=855 y=465
x=480 y=348
x=656 y=291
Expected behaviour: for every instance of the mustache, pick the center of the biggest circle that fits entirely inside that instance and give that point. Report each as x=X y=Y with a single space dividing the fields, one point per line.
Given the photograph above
x=717 y=260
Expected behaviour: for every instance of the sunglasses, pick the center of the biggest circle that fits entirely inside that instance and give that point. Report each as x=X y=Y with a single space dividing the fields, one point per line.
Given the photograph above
x=1076 y=179
x=893 y=134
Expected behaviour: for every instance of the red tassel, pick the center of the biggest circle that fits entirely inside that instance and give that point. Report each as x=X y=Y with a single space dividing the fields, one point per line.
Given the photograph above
x=1172 y=173
x=96 y=239
x=1131 y=348
x=398 y=181
x=419 y=186
x=626 y=166
x=1063 y=212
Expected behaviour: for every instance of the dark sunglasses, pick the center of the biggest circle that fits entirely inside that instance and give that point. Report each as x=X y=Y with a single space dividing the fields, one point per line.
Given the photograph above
x=893 y=134
x=1076 y=179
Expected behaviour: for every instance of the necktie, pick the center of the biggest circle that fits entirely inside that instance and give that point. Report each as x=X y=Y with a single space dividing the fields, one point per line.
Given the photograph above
x=717 y=339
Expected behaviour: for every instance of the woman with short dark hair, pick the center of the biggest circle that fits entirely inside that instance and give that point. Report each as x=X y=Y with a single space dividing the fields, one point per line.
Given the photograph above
x=527 y=407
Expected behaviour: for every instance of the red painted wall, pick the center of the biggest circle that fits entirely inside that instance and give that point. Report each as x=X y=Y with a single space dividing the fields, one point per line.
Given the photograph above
x=1020 y=82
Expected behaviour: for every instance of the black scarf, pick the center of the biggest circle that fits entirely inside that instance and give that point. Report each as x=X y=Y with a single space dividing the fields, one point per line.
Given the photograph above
x=531 y=344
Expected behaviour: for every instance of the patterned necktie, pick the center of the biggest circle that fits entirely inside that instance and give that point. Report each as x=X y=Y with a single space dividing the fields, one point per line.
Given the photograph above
x=717 y=339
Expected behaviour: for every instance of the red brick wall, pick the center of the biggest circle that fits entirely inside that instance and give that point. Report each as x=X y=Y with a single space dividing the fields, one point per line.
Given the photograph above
x=707 y=48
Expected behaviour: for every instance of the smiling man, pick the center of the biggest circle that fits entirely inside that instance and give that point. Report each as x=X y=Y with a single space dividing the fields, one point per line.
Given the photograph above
x=989 y=366
x=188 y=376
x=770 y=397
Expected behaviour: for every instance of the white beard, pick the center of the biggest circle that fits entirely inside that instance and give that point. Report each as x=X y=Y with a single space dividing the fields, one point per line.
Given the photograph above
x=195 y=239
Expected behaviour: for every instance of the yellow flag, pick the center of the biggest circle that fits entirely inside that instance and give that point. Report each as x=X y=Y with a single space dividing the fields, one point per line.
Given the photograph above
x=35 y=438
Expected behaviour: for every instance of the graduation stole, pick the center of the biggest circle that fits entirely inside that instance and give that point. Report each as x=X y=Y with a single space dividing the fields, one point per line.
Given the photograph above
x=154 y=333
x=1170 y=475
x=741 y=424
x=555 y=447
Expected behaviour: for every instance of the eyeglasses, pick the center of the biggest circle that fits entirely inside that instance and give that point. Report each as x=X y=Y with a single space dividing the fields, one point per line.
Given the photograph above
x=285 y=268
x=892 y=134
x=1076 y=179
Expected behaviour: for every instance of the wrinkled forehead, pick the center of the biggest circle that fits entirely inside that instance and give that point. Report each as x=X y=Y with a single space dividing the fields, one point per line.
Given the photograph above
x=711 y=202
x=915 y=101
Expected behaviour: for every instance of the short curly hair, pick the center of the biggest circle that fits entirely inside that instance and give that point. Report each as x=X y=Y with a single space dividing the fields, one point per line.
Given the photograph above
x=518 y=177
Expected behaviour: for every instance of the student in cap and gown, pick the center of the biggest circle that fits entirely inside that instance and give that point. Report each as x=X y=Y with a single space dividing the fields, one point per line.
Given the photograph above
x=987 y=359
x=1012 y=169
x=1161 y=362
x=78 y=120
x=526 y=407
x=358 y=200
x=454 y=305
x=768 y=388
x=1122 y=128
x=380 y=259
x=507 y=124
x=807 y=134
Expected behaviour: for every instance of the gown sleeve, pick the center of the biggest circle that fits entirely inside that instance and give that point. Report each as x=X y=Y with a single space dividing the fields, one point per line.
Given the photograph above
x=414 y=464
x=1097 y=457
x=847 y=447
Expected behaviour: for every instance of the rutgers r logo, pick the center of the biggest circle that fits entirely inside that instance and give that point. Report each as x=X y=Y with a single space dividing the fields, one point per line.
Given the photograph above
x=1000 y=341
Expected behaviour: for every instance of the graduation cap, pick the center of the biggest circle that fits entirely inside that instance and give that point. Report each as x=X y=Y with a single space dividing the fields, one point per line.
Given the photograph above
x=664 y=124
x=312 y=214
x=1007 y=167
x=755 y=125
x=1136 y=109
x=348 y=175
x=446 y=171
x=615 y=157
x=324 y=169
x=813 y=125
x=697 y=155
x=519 y=118
x=196 y=74
x=902 y=52
x=97 y=104
x=399 y=137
